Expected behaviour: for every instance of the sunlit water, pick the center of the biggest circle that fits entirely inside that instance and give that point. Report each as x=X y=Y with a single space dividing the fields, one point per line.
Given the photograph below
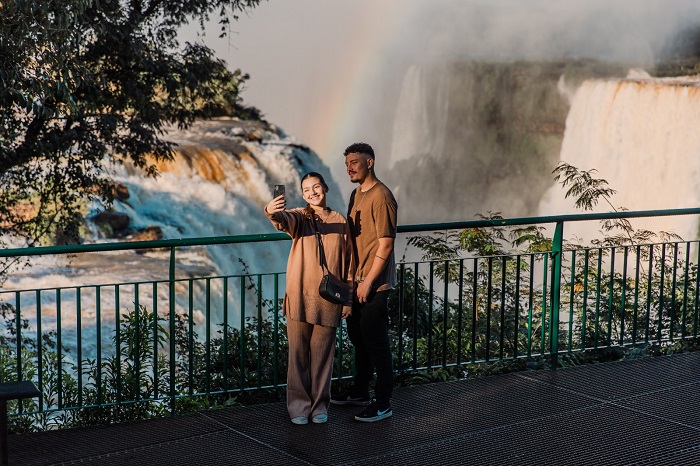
x=217 y=185
x=641 y=135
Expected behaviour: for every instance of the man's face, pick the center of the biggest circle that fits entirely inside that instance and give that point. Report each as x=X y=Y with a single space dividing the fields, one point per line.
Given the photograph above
x=358 y=166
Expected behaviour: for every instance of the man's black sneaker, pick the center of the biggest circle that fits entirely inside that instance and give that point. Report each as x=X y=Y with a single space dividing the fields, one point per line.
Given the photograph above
x=347 y=398
x=375 y=412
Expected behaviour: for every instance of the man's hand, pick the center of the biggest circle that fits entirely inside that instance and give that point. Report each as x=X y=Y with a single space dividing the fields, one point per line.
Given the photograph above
x=363 y=290
x=386 y=246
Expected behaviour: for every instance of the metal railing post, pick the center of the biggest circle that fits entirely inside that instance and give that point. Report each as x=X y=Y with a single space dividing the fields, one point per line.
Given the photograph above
x=171 y=295
x=556 y=293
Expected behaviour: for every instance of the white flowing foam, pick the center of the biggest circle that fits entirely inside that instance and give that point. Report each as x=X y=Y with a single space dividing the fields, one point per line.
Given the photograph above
x=641 y=135
x=217 y=185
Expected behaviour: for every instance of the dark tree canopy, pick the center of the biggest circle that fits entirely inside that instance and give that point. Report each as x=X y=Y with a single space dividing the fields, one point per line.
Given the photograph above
x=87 y=83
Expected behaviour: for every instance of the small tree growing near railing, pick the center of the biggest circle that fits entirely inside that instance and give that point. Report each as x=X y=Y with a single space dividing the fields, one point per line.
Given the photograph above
x=603 y=306
x=128 y=384
x=482 y=322
x=617 y=305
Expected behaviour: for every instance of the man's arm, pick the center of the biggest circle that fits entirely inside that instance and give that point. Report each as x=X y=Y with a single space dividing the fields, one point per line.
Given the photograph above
x=386 y=246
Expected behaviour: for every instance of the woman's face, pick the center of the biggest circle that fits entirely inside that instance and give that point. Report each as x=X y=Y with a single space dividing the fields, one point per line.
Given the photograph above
x=313 y=192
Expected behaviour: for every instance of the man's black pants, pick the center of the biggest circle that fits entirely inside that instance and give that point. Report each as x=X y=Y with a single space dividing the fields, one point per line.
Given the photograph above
x=368 y=329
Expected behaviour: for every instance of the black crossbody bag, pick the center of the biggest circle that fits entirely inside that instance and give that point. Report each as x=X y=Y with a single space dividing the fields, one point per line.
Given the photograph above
x=331 y=288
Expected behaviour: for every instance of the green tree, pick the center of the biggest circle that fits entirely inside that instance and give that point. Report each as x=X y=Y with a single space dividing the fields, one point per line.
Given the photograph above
x=627 y=285
x=85 y=84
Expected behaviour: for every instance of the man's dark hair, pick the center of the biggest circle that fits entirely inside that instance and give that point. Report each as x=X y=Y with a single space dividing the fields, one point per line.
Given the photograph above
x=359 y=148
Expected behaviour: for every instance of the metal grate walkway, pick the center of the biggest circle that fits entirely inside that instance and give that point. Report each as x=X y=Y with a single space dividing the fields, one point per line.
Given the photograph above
x=638 y=412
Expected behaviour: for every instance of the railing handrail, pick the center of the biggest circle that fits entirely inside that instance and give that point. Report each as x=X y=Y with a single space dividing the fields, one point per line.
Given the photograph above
x=128 y=245
x=213 y=240
x=546 y=219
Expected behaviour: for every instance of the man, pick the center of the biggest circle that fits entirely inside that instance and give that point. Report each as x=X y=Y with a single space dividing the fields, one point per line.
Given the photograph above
x=372 y=219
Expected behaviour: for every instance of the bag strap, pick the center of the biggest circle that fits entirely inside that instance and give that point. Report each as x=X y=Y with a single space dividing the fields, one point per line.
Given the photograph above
x=321 y=252
x=351 y=204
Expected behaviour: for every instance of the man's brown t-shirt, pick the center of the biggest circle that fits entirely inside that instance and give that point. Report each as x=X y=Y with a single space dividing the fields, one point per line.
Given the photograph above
x=372 y=215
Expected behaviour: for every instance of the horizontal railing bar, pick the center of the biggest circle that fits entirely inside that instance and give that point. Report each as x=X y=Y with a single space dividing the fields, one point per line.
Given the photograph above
x=129 y=245
x=546 y=219
x=140 y=283
x=214 y=240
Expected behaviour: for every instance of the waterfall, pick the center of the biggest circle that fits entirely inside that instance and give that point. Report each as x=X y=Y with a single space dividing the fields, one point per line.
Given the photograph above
x=473 y=137
x=221 y=176
x=642 y=135
x=217 y=184
x=420 y=121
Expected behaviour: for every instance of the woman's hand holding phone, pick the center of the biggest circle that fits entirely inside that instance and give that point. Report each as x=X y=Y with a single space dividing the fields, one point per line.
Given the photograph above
x=278 y=202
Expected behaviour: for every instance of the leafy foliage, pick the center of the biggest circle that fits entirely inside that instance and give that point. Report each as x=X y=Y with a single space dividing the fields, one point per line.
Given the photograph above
x=581 y=184
x=621 y=289
x=86 y=83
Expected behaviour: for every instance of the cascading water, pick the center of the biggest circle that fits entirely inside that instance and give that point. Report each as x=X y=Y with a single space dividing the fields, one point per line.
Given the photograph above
x=217 y=184
x=641 y=135
x=421 y=116
x=471 y=137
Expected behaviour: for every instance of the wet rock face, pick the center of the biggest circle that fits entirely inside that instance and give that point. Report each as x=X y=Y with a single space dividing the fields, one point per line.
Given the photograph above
x=118 y=225
x=150 y=233
x=120 y=191
x=115 y=223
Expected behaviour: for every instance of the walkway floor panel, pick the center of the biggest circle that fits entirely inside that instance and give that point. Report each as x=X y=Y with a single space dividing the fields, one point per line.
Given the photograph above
x=638 y=412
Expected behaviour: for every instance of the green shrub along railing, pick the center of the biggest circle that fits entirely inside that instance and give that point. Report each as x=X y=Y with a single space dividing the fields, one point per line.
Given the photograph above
x=113 y=352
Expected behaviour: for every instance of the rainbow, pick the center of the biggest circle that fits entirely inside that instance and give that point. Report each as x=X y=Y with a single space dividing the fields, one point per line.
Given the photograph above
x=332 y=126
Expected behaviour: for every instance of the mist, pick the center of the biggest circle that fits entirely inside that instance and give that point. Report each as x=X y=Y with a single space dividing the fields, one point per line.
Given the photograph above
x=330 y=72
x=633 y=31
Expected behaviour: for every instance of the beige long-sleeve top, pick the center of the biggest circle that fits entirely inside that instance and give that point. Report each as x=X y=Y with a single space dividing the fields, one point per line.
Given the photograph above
x=302 y=301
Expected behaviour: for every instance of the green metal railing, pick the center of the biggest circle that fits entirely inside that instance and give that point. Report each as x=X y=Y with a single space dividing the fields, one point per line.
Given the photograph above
x=142 y=348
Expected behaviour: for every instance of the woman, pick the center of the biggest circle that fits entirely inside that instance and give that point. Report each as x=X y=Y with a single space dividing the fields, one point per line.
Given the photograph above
x=312 y=321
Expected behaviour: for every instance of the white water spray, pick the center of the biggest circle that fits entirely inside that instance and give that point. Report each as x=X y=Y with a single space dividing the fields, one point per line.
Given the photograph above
x=642 y=136
x=217 y=185
x=420 y=122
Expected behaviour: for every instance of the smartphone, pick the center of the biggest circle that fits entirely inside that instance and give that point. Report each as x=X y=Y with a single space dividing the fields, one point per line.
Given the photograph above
x=279 y=190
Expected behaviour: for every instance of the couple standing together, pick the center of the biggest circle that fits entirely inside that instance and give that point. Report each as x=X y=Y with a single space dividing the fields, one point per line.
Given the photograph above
x=359 y=251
